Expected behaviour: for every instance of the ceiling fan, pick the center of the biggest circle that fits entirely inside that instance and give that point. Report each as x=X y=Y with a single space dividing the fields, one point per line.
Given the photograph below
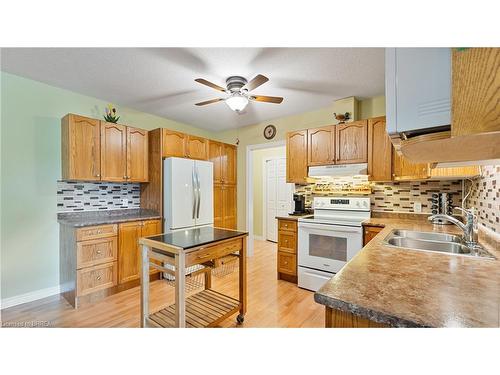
x=238 y=90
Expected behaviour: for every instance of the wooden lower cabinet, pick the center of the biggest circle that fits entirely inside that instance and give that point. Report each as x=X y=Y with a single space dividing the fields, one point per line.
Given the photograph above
x=101 y=260
x=369 y=232
x=342 y=319
x=129 y=259
x=287 y=250
x=225 y=212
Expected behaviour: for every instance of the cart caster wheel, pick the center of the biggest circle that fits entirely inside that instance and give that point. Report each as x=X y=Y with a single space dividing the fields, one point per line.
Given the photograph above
x=240 y=319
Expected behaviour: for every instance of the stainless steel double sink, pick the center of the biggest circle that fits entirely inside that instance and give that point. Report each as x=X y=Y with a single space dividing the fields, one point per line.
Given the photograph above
x=435 y=242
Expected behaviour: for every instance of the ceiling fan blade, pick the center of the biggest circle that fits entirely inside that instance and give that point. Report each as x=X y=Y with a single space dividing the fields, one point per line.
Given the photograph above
x=209 y=101
x=256 y=82
x=267 y=99
x=209 y=84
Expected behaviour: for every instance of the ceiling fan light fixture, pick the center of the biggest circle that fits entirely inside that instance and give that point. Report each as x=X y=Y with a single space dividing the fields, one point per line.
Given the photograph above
x=237 y=102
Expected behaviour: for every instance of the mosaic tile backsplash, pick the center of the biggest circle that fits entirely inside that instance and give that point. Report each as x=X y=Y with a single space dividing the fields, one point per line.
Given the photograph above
x=95 y=196
x=388 y=196
x=485 y=197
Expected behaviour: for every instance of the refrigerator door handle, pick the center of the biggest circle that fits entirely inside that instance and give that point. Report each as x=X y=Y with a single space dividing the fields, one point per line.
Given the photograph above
x=194 y=191
x=199 y=193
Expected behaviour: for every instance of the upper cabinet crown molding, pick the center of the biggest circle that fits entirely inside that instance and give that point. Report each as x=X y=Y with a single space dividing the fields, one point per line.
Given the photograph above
x=95 y=150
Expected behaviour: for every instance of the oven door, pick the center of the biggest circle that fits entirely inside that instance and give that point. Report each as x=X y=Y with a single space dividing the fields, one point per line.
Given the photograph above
x=328 y=247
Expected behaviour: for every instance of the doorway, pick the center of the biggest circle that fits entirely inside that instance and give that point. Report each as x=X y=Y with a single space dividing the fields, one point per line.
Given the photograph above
x=277 y=196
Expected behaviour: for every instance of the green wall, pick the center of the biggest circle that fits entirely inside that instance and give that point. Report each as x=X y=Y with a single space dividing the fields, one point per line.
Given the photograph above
x=252 y=135
x=258 y=175
x=30 y=166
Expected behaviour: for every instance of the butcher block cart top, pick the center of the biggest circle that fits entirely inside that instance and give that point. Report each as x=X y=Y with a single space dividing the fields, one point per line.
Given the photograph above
x=186 y=248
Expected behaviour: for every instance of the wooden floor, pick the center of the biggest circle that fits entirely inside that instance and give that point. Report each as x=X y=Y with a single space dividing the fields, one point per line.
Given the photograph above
x=271 y=303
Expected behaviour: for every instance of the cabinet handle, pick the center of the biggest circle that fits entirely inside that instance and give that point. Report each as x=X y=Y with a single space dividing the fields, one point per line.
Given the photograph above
x=124 y=177
x=286 y=263
x=98 y=252
x=99 y=278
x=99 y=231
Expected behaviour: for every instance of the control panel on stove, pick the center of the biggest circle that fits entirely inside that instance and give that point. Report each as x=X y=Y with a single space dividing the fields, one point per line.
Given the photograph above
x=341 y=203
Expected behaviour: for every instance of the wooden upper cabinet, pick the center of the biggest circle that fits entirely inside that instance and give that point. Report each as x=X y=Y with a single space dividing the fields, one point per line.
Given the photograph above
x=379 y=150
x=296 y=157
x=228 y=164
x=174 y=144
x=475 y=83
x=80 y=148
x=128 y=251
x=197 y=148
x=352 y=142
x=215 y=156
x=137 y=155
x=321 y=146
x=113 y=152
x=403 y=169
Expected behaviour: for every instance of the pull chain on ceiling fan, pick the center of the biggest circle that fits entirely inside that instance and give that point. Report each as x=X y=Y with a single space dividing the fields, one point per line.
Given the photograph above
x=238 y=90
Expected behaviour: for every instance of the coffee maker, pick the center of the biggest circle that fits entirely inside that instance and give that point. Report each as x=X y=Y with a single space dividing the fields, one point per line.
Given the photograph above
x=299 y=204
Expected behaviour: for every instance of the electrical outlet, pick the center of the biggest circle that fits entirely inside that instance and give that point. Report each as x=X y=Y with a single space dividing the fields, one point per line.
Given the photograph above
x=417 y=207
x=124 y=202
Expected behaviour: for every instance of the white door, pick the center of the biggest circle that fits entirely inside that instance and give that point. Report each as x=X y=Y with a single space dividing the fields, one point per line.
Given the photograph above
x=278 y=196
x=205 y=195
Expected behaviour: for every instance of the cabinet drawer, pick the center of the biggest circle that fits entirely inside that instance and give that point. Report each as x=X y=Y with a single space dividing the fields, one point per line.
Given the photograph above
x=101 y=231
x=92 y=279
x=289 y=225
x=287 y=263
x=369 y=232
x=213 y=252
x=93 y=252
x=287 y=242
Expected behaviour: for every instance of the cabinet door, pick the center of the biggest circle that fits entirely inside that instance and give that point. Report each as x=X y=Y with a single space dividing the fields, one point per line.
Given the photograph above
x=150 y=228
x=128 y=251
x=137 y=155
x=215 y=156
x=475 y=83
x=369 y=233
x=406 y=170
x=321 y=146
x=379 y=150
x=81 y=148
x=229 y=206
x=218 y=206
x=296 y=157
x=174 y=144
x=352 y=142
x=113 y=152
x=228 y=164
x=197 y=148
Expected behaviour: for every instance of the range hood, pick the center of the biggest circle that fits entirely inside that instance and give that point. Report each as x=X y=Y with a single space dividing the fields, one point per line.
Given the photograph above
x=338 y=170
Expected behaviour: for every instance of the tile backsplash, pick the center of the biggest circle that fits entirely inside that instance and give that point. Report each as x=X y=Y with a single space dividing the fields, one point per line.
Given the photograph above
x=95 y=196
x=485 y=197
x=386 y=196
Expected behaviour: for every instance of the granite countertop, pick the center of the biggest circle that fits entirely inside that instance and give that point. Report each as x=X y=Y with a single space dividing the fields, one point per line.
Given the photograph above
x=89 y=218
x=408 y=288
x=293 y=217
x=191 y=238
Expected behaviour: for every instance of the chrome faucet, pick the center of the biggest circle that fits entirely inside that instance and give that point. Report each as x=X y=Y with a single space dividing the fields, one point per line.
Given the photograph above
x=470 y=235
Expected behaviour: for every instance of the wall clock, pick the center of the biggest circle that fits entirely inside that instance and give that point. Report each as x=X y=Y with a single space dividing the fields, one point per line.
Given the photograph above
x=269 y=131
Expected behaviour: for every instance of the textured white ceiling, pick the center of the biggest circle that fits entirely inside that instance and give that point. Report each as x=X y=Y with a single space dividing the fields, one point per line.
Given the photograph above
x=161 y=80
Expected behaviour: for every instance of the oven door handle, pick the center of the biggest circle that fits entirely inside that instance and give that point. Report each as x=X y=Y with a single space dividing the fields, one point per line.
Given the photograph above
x=331 y=228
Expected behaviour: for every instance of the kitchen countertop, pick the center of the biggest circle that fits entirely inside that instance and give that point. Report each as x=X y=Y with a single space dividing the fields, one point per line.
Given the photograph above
x=293 y=217
x=193 y=238
x=408 y=288
x=89 y=218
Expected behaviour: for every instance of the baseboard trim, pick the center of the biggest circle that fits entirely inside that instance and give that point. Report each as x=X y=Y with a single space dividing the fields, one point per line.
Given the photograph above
x=29 y=297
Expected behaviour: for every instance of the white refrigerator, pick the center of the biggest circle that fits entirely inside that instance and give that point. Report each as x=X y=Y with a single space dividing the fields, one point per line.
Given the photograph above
x=188 y=193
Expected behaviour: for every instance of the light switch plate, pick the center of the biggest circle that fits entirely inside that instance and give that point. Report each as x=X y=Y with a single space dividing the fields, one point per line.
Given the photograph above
x=417 y=207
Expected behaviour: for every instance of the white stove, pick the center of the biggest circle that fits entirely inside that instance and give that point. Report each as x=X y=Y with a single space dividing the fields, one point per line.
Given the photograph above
x=329 y=238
